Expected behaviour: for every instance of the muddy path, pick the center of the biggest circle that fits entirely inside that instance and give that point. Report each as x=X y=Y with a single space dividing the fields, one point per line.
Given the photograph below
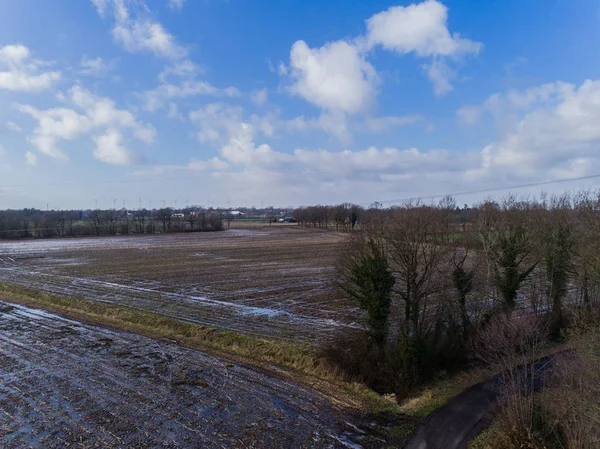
x=266 y=282
x=66 y=384
x=453 y=425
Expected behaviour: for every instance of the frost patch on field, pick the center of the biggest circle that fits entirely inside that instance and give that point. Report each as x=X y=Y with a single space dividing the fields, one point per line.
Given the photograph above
x=270 y=313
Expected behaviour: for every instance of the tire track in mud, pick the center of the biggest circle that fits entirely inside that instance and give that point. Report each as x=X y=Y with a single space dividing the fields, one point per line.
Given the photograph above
x=67 y=384
x=252 y=320
x=254 y=289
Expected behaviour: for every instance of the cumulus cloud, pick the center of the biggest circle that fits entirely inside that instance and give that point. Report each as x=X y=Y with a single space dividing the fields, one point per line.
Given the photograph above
x=110 y=149
x=338 y=76
x=242 y=159
x=420 y=28
x=334 y=77
x=137 y=31
x=20 y=72
x=93 y=113
x=554 y=136
x=557 y=130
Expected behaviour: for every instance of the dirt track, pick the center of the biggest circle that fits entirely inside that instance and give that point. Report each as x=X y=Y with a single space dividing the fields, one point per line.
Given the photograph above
x=453 y=425
x=265 y=281
x=66 y=384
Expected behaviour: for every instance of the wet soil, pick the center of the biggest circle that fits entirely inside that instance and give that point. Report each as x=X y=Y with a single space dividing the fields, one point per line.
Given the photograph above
x=67 y=384
x=268 y=282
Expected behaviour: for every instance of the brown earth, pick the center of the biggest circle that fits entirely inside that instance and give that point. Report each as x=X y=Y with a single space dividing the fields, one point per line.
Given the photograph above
x=67 y=384
x=269 y=281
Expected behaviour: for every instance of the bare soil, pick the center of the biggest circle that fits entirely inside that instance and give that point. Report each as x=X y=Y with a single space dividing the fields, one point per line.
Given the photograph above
x=270 y=281
x=68 y=384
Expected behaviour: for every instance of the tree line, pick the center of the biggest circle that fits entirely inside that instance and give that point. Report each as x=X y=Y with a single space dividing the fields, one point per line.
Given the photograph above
x=35 y=223
x=433 y=277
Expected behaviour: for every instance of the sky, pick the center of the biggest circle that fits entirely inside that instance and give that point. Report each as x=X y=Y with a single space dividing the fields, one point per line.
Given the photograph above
x=294 y=102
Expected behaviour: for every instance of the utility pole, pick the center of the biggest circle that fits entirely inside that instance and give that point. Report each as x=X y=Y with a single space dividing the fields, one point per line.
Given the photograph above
x=140 y=203
x=96 y=200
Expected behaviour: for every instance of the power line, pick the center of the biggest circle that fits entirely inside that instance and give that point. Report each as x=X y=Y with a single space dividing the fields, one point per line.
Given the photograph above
x=493 y=189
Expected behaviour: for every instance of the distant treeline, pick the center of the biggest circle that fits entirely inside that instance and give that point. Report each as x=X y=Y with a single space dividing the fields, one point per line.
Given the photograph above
x=347 y=216
x=35 y=223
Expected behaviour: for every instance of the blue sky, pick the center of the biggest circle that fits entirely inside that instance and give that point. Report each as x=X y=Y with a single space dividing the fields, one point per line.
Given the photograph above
x=215 y=102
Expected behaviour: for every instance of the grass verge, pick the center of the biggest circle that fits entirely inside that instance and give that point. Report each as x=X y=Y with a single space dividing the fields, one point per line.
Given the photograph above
x=437 y=394
x=297 y=359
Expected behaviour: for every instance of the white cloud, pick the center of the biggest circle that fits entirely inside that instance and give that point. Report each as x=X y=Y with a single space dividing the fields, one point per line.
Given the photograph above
x=20 y=72
x=377 y=124
x=185 y=86
x=335 y=77
x=338 y=77
x=440 y=75
x=96 y=66
x=102 y=6
x=58 y=124
x=13 y=126
x=156 y=98
x=184 y=69
x=174 y=112
x=176 y=4
x=137 y=31
x=556 y=131
x=216 y=121
x=30 y=158
x=420 y=28
x=259 y=97
x=109 y=149
x=194 y=165
x=469 y=115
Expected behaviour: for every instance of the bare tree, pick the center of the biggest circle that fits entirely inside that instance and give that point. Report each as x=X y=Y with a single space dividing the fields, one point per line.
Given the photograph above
x=417 y=258
x=191 y=217
x=164 y=216
x=96 y=218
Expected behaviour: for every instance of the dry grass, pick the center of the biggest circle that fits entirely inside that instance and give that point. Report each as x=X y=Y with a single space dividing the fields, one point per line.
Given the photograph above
x=564 y=415
x=437 y=394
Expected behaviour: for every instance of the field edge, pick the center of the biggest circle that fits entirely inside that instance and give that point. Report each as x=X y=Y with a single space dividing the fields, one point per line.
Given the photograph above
x=295 y=360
